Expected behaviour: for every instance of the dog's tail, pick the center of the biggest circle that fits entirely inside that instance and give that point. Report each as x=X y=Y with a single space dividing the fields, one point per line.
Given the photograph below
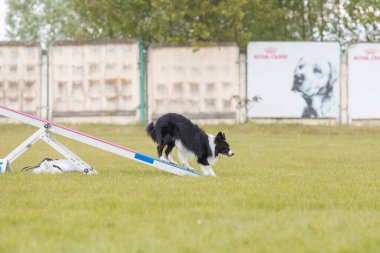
x=151 y=131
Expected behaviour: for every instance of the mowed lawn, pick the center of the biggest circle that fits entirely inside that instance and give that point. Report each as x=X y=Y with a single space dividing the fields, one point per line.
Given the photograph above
x=289 y=188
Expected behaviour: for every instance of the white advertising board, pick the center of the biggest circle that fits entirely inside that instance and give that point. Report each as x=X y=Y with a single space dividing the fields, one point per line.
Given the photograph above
x=293 y=79
x=364 y=81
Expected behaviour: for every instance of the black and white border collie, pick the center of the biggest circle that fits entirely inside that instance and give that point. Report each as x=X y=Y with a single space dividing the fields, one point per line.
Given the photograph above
x=173 y=129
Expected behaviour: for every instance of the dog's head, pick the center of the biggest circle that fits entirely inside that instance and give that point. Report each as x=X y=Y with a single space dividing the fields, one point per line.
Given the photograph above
x=313 y=77
x=221 y=145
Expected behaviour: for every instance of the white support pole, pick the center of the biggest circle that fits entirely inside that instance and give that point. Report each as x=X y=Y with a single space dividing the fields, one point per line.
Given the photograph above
x=25 y=146
x=4 y=166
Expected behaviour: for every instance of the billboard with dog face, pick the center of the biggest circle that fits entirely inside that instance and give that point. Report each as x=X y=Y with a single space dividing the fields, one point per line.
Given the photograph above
x=293 y=79
x=364 y=81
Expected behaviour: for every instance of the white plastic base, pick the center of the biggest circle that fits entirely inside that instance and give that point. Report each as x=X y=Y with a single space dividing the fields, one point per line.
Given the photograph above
x=4 y=165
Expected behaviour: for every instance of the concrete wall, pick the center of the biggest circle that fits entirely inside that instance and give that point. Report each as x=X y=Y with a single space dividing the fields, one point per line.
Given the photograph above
x=20 y=76
x=94 y=81
x=343 y=90
x=197 y=82
x=99 y=81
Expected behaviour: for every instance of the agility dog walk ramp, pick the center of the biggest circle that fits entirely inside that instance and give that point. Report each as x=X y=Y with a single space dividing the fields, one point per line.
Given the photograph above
x=46 y=128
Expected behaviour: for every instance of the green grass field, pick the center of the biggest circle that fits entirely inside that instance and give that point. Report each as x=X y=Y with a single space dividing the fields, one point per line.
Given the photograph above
x=289 y=188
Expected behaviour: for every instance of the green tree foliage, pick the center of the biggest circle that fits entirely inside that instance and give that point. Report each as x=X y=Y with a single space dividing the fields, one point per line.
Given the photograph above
x=350 y=21
x=195 y=21
x=161 y=20
x=41 y=20
x=199 y=20
x=362 y=19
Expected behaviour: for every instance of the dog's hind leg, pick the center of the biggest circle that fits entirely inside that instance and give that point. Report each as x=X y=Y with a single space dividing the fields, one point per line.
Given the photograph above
x=168 y=151
x=165 y=141
x=160 y=142
x=160 y=148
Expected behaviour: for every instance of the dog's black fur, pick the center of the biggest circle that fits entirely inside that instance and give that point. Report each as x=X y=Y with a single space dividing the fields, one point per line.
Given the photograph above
x=172 y=126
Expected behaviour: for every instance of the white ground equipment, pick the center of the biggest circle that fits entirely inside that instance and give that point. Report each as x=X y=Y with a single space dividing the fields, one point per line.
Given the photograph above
x=45 y=130
x=56 y=166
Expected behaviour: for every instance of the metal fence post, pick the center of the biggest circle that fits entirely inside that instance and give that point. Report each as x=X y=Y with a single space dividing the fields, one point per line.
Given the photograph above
x=142 y=81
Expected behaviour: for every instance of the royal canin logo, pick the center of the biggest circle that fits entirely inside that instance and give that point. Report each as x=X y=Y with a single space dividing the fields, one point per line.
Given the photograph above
x=370 y=54
x=270 y=53
x=270 y=50
x=370 y=51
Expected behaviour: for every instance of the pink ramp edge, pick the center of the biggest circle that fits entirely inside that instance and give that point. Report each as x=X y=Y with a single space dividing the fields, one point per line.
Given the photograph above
x=68 y=129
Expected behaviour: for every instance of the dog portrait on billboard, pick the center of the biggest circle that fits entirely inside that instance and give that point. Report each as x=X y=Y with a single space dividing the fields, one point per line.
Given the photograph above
x=315 y=79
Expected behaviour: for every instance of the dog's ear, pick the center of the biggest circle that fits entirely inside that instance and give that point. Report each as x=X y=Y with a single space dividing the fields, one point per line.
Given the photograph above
x=327 y=90
x=331 y=81
x=220 y=137
x=332 y=75
x=298 y=64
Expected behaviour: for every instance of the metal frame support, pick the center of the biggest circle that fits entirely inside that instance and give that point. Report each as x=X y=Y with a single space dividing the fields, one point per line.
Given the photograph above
x=44 y=134
x=24 y=146
x=67 y=153
x=142 y=81
x=46 y=128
